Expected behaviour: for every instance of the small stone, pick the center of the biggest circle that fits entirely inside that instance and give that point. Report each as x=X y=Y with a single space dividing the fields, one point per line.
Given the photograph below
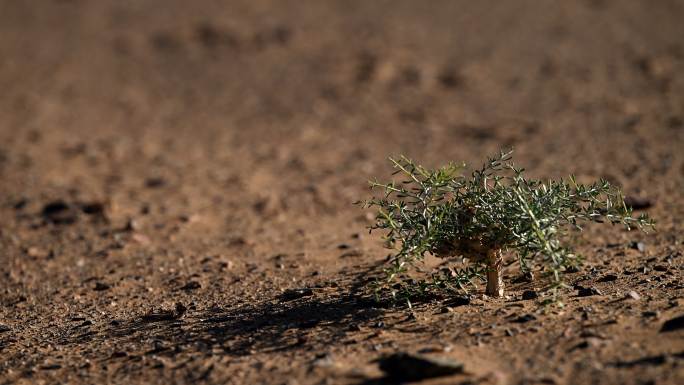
x=191 y=285
x=638 y=246
x=37 y=252
x=529 y=295
x=608 y=278
x=93 y=208
x=524 y=318
x=581 y=345
x=119 y=354
x=661 y=268
x=141 y=238
x=676 y=323
x=638 y=203
x=587 y=291
x=192 y=218
x=633 y=295
x=416 y=367
x=527 y=276
x=59 y=213
x=155 y=182
x=458 y=301
x=100 y=286
x=132 y=225
x=166 y=315
x=293 y=294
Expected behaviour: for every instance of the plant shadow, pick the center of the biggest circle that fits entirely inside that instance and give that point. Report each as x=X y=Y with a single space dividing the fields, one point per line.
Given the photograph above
x=283 y=324
x=305 y=319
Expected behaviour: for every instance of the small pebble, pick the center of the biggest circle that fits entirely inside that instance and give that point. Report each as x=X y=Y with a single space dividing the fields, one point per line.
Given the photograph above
x=638 y=203
x=59 y=212
x=37 y=252
x=608 y=278
x=587 y=291
x=676 y=323
x=524 y=318
x=191 y=285
x=100 y=286
x=529 y=294
x=638 y=246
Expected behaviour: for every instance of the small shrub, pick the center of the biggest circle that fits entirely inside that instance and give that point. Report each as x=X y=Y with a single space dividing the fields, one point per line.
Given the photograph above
x=477 y=218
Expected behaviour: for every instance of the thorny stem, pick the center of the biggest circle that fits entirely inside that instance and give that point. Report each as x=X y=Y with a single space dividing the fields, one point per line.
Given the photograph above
x=537 y=229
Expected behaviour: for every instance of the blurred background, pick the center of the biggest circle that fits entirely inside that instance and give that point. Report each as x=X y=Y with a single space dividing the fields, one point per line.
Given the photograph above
x=318 y=89
x=146 y=143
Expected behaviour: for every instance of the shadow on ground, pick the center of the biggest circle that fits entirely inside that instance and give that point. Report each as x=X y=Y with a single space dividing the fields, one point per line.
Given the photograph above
x=295 y=319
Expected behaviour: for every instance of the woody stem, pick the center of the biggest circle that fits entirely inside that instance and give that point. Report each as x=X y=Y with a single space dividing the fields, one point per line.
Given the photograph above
x=495 y=286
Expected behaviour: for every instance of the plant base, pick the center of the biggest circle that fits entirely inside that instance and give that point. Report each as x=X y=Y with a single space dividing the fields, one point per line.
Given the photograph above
x=495 y=286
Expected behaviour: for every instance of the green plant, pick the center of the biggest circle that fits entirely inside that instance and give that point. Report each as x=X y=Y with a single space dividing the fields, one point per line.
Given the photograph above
x=478 y=218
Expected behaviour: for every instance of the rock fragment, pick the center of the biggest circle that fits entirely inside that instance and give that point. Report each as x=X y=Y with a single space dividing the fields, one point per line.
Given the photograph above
x=101 y=286
x=673 y=324
x=587 y=291
x=59 y=213
x=191 y=285
x=524 y=318
x=608 y=278
x=529 y=295
x=293 y=294
x=416 y=367
x=638 y=203
x=638 y=246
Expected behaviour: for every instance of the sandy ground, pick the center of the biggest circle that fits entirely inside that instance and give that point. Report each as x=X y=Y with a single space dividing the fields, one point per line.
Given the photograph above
x=177 y=179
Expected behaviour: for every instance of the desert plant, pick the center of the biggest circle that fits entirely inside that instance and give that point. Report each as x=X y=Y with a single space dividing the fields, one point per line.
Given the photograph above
x=477 y=218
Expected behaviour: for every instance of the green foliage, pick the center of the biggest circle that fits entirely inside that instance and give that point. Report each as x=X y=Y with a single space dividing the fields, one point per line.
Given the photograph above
x=449 y=215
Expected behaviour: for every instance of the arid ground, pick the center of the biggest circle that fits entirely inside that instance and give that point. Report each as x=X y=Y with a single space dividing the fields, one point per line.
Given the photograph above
x=177 y=182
